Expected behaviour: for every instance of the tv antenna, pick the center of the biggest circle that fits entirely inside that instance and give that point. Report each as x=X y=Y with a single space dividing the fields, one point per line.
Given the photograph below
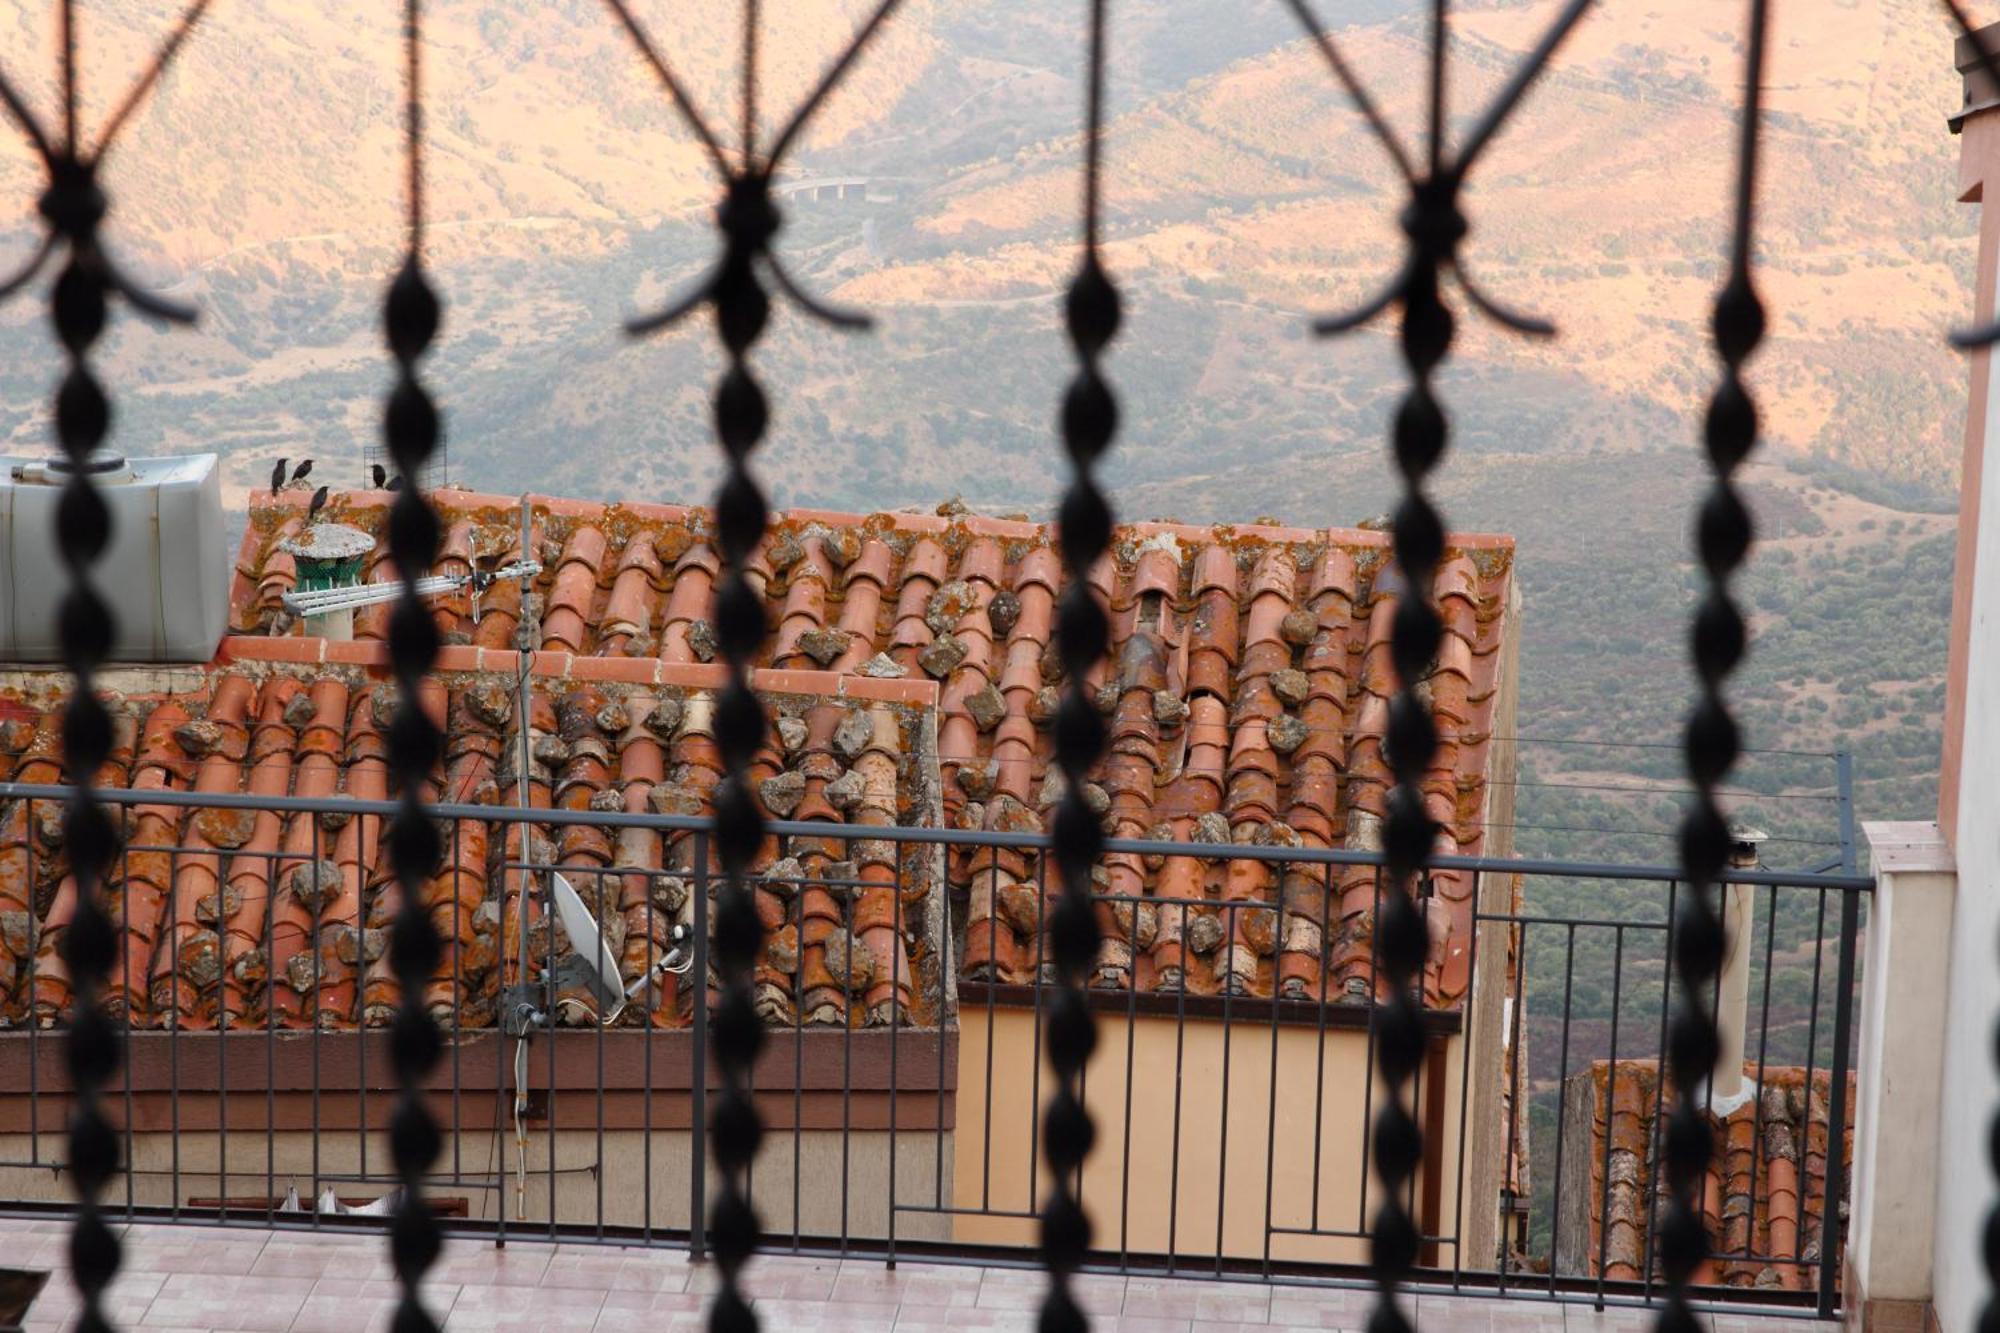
x=320 y=601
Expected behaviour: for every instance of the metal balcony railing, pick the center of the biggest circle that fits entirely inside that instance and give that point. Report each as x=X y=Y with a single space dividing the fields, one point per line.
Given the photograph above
x=902 y=1098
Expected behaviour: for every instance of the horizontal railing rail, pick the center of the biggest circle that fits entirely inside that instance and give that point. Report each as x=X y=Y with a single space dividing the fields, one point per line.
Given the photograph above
x=902 y=1088
x=920 y=835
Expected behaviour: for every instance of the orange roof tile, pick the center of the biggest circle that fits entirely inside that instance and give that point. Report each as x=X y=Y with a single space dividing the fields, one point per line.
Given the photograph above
x=1246 y=695
x=1246 y=688
x=1766 y=1189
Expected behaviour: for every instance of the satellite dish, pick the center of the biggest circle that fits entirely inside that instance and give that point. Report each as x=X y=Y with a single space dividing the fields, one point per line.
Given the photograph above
x=602 y=976
x=577 y=922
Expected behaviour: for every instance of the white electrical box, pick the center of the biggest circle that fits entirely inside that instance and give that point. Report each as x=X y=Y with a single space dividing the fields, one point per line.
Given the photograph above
x=165 y=574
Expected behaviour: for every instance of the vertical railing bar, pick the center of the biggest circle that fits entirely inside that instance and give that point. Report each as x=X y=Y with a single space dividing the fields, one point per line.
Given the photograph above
x=457 y=1005
x=360 y=995
x=698 y=1054
x=1836 y=1129
x=597 y=1168
x=986 y=1140
x=1763 y=1038
x=1464 y=1094
x=1035 y=1064
x=1562 y=1077
x=173 y=1047
x=1610 y=1111
x=1368 y=1062
x=1271 y=1089
x=125 y=1068
x=895 y=1033
x=221 y=1061
x=270 y=1036
x=942 y=1018
x=1222 y=1090
x=798 y=905
x=1812 y=1033
x=1125 y=1157
x=1324 y=961
x=1514 y=1085
x=1180 y=1069
x=29 y=843
x=1655 y=1165
x=1083 y=1098
x=650 y=999
x=311 y=1008
x=550 y=920
x=847 y=1073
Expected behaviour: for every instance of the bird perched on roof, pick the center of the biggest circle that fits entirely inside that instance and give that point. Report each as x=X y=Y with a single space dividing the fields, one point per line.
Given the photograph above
x=318 y=503
x=278 y=477
x=395 y=484
x=381 y=475
x=302 y=471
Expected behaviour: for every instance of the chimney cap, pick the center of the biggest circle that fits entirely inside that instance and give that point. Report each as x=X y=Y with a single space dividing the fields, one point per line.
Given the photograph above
x=1981 y=92
x=328 y=541
x=1744 y=840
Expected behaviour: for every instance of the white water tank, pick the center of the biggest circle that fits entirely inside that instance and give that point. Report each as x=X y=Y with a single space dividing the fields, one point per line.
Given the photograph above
x=165 y=573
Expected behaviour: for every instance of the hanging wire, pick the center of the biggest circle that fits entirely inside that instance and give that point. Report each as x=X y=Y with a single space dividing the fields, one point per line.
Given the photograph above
x=1435 y=228
x=411 y=430
x=1089 y=420
x=73 y=207
x=748 y=220
x=1724 y=533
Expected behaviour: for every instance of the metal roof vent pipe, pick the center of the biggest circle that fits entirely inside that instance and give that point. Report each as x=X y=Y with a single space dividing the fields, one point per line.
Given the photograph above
x=1731 y=1088
x=330 y=557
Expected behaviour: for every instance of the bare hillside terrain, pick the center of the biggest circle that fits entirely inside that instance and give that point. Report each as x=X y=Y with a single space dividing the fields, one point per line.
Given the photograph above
x=263 y=183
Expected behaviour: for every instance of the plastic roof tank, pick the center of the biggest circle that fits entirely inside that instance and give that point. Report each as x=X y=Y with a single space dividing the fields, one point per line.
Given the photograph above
x=165 y=573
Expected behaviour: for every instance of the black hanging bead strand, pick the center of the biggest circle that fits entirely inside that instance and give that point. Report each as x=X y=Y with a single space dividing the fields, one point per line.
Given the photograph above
x=748 y=220
x=89 y=947
x=1089 y=419
x=1434 y=228
x=411 y=430
x=1723 y=535
x=72 y=209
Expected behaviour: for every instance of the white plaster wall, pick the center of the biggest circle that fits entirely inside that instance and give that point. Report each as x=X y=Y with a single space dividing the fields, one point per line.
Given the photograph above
x=1971 y=1090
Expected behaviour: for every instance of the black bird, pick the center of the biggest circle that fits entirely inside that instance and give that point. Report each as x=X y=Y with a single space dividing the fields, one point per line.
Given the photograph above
x=278 y=476
x=395 y=484
x=318 y=503
x=381 y=476
x=299 y=473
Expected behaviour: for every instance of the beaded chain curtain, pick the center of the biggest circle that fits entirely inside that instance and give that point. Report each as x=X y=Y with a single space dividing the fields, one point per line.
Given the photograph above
x=1434 y=228
x=411 y=431
x=73 y=208
x=748 y=220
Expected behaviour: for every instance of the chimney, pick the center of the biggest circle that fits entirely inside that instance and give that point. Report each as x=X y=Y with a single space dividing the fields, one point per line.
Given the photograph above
x=1729 y=1089
x=329 y=555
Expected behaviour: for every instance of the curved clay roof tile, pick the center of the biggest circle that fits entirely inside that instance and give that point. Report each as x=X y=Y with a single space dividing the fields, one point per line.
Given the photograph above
x=1039 y=566
x=1215 y=568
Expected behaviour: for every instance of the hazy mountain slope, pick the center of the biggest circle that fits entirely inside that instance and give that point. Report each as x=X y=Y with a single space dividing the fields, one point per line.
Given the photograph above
x=1243 y=195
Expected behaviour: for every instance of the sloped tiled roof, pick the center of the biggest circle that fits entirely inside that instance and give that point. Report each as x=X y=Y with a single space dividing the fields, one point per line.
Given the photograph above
x=1246 y=692
x=215 y=902
x=1766 y=1192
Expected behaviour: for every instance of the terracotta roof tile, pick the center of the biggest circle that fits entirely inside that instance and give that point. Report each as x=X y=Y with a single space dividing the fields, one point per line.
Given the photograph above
x=1246 y=694
x=1766 y=1187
